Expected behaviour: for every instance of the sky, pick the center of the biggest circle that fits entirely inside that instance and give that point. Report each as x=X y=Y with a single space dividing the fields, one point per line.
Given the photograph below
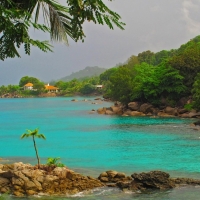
x=150 y=25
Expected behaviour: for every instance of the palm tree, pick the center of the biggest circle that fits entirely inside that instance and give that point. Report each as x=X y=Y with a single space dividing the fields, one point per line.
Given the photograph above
x=34 y=134
x=67 y=20
x=61 y=21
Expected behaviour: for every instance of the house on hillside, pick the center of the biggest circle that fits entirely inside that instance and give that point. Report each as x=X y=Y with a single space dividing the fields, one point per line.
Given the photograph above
x=28 y=86
x=99 y=86
x=51 y=88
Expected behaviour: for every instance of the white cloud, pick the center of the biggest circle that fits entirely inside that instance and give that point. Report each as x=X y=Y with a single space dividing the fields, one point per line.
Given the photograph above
x=191 y=8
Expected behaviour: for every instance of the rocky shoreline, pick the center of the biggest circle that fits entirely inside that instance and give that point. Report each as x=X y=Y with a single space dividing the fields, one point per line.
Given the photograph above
x=21 y=179
x=8 y=95
x=132 y=109
x=146 y=109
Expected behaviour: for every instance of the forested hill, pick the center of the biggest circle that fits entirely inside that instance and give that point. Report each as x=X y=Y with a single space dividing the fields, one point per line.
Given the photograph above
x=169 y=77
x=158 y=57
x=162 y=78
x=85 y=73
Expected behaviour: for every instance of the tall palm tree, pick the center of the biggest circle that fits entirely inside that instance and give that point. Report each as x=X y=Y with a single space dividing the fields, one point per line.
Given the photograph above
x=34 y=134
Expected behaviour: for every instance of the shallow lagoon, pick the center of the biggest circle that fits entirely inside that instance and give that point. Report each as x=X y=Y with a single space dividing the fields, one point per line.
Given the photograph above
x=92 y=143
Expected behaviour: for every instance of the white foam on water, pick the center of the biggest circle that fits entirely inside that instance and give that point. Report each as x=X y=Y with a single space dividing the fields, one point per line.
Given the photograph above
x=95 y=192
x=80 y=194
x=104 y=191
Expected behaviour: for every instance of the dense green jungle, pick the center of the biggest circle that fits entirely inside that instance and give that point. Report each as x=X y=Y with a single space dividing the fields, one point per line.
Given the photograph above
x=161 y=78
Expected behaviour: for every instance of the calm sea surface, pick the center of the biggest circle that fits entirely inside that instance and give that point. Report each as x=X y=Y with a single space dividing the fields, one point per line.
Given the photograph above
x=92 y=143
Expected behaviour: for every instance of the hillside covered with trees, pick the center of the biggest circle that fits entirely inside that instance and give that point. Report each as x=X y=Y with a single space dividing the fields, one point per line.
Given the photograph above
x=84 y=73
x=162 y=78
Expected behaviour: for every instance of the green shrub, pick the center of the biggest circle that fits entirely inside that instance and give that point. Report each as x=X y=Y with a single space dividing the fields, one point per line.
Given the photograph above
x=188 y=106
x=54 y=161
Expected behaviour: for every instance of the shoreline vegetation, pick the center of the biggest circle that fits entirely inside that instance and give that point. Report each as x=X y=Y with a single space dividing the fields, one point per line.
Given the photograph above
x=22 y=180
x=169 y=78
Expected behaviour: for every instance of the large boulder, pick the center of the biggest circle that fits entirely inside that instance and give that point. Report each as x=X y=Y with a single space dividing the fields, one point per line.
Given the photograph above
x=171 y=111
x=151 y=180
x=185 y=115
x=182 y=111
x=134 y=106
x=146 y=108
x=163 y=114
x=117 y=110
x=127 y=112
x=136 y=113
x=110 y=177
x=101 y=110
x=191 y=114
x=4 y=185
x=109 y=112
x=194 y=114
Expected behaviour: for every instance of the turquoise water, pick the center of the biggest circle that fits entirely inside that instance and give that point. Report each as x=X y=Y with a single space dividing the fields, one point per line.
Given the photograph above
x=92 y=143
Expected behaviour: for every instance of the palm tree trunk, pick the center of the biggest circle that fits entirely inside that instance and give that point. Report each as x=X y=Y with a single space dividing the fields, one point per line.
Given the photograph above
x=36 y=152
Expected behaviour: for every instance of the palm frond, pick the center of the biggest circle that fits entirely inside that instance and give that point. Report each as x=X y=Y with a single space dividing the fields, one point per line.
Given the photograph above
x=56 y=24
x=59 y=20
x=40 y=136
x=24 y=135
x=37 y=11
x=32 y=133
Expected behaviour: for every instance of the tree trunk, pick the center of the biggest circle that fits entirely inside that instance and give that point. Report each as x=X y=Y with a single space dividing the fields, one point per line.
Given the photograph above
x=36 y=152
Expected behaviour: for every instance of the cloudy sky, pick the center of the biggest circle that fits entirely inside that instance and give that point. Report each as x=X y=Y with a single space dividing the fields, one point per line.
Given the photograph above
x=150 y=25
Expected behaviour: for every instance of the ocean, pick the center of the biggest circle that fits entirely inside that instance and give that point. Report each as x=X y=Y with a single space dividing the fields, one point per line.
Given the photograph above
x=92 y=143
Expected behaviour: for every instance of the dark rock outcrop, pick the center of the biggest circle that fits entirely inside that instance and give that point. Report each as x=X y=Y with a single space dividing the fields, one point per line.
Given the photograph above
x=151 y=180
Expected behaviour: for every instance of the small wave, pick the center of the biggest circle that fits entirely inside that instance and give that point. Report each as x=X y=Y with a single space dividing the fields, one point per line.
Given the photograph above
x=131 y=192
x=104 y=191
x=80 y=194
x=95 y=192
